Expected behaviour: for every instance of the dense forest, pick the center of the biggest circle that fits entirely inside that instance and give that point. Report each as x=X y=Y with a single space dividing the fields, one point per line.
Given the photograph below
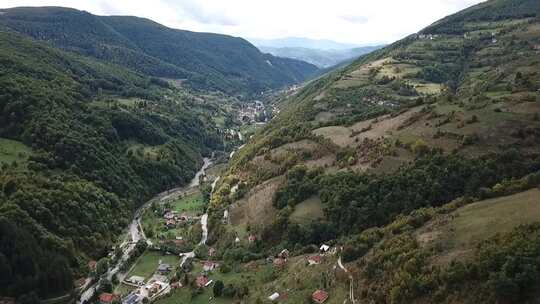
x=93 y=156
x=207 y=61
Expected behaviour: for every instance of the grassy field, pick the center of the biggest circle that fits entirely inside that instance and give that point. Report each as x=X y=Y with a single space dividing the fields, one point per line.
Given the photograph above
x=307 y=211
x=149 y=261
x=459 y=234
x=192 y=204
x=123 y=289
x=13 y=151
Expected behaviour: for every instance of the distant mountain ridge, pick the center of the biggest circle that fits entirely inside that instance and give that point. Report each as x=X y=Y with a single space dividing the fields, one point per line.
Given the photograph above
x=300 y=42
x=214 y=61
x=319 y=57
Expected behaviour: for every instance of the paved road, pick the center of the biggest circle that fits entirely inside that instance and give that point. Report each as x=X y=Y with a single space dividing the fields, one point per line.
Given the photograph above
x=351 y=279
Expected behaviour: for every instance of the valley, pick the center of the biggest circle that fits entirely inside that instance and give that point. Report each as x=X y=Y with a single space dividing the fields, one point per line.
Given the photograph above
x=144 y=164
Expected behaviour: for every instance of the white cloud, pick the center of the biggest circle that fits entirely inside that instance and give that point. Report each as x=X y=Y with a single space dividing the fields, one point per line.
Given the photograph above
x=353 y=21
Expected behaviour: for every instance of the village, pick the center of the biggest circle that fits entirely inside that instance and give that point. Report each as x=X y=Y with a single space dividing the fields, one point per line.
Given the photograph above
x=163 y=285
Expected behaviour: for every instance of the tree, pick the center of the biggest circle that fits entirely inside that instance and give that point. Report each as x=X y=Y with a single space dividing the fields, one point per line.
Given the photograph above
x=218 y=288
x=102 y=266
x=29 y=298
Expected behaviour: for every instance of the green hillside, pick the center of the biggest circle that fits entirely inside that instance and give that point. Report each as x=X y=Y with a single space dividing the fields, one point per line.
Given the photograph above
x=444 y=114
x=83 y=144
x=207 y=60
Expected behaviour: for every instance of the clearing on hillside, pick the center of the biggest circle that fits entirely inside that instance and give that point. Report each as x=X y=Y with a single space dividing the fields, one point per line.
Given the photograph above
x=459 y=233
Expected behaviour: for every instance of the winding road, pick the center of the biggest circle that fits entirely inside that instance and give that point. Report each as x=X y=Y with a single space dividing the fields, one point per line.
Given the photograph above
x=351 y=279
x=134 y=232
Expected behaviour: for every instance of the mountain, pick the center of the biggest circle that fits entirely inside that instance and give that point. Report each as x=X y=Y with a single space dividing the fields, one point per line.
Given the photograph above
x=207 y=61
x=320 y=58
x=419 y=162
x=299 y=42
x=83 y=143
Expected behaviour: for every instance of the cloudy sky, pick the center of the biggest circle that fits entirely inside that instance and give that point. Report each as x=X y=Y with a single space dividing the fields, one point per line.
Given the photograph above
x=351 y=21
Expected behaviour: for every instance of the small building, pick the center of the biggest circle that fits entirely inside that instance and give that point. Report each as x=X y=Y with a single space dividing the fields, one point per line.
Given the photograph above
x=284 y=254
x=170 y=223
x=209 y=265
x=176 y=285
x=324 y=248
x=274 y=296
x=211 y=251
x=92 y=265
x=164 y=268
x=252 y=238
x=314 y=260
x=132 y=298
x=319 y=296
x=137 y=280
x=106 y=298
x=279 y=262
x=202 y=281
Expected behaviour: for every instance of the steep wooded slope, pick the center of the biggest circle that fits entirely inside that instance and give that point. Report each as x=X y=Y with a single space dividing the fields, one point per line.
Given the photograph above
x=83 y=143
x=206 y=60
x=450 y=112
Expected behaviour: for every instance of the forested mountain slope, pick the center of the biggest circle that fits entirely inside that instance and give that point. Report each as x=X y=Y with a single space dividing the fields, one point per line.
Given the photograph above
x=450 y=114
x=82 y=144
x=206 y=60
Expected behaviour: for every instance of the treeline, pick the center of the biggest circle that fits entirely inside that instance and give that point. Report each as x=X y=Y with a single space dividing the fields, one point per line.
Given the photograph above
x=501 y=269
x=75 y=193
x=205 y=60
x=354 y=202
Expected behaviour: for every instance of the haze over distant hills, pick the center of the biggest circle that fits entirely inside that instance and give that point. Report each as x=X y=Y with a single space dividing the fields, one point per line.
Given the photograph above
x=319 y=57
x=300 y=42
x=319 y=52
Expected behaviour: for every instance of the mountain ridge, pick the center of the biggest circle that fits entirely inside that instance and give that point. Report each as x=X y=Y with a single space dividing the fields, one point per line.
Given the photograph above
x=164 y=52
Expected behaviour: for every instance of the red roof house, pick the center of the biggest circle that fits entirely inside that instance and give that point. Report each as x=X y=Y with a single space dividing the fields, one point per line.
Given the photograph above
x=319 y=296
x=314 y=259
x=279 y=262
x=92 y=265
x=106 y=298
x=202 y=281
x=209 y=265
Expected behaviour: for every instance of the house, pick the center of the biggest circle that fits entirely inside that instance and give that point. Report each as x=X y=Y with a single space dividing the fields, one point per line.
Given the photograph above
x=164 y=268
x=202 y=281
x=274 y=296
x=170 y=223
x=314 y=260
x=319 y=296
x=176 y=285
x=169 y=216
x=92 y=265
x=137 y=280
x=252 y=238
x=132 y=298
x=106 y=298
x=209 y=265
x=211 y=251
x=284 y=254
x=179 y=243
x=324 y=248
x=279 y=262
